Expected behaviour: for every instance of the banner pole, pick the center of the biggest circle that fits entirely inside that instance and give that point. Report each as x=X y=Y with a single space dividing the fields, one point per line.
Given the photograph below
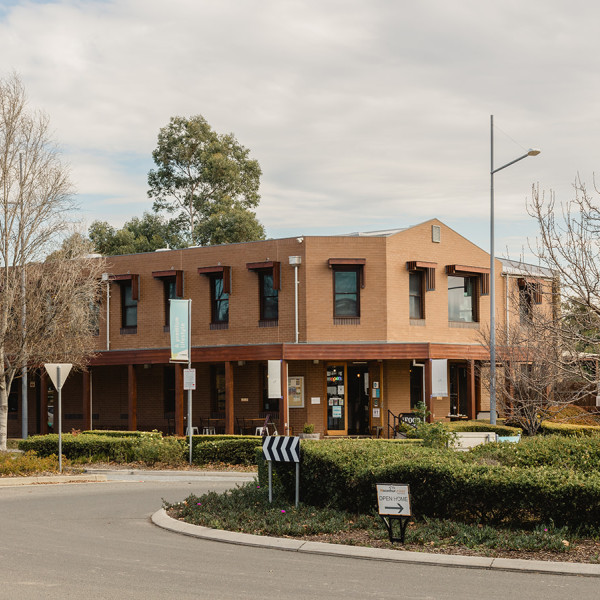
x=190 y=429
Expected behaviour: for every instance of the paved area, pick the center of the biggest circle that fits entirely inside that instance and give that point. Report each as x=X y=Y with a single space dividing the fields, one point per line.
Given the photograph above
x=161 y=519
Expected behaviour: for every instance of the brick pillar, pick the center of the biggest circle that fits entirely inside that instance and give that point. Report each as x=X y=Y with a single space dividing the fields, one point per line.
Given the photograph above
x=283 y=405
x=131 y=398
x=86 y=401
x=471 y=398
x=229 y=409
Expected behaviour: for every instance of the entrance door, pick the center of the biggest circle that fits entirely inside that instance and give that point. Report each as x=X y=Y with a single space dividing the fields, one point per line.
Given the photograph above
x=358 y=400
x=458 y=390
x=336 y=400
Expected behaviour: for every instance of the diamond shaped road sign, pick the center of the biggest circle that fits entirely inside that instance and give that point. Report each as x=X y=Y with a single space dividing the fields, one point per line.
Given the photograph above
x=53 y=369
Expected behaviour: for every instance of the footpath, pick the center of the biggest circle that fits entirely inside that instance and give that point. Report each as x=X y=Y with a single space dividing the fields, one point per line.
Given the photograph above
x=161 y=519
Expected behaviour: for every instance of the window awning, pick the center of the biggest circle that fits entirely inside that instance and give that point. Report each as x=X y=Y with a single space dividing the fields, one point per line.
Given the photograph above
x=224 y=270
x=535 y=287
x=268 y=264
x=177 y=274
x=428 y=267
x=350 y=262
x=465 y=271
x=134 y=278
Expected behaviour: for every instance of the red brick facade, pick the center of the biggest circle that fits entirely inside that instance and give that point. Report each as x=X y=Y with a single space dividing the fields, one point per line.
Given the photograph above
x=132 y=385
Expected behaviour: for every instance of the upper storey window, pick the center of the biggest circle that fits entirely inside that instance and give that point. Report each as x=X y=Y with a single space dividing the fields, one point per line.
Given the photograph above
x=172 y=281
x=465 y=287
x=269 y=284
x=348 y=280
x=220 y=289
x=129 y=285
x=421 y=279
x=461 y=301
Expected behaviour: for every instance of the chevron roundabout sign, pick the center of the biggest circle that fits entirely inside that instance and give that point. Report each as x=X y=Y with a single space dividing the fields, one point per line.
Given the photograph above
x=282 y=449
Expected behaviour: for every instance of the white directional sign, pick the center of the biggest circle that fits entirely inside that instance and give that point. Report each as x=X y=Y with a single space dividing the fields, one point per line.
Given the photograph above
x=393 y=499
x=281 y=448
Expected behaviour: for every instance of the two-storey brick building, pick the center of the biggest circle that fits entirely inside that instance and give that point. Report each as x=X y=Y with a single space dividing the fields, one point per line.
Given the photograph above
x=355 y=321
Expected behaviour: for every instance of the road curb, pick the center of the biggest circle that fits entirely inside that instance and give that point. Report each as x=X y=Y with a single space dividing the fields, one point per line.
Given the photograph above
x=18 y=481
x=161 y=519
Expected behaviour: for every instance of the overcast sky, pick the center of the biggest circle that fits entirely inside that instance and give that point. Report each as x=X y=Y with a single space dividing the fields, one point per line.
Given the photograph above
x=363 y=115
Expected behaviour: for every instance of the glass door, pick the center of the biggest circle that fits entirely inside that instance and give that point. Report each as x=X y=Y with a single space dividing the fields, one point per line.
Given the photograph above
x=336 y=400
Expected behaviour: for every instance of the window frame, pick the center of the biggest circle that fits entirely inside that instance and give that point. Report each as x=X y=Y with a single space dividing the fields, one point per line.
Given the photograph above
x=337 y=269
x=474 y=281
x=128 y=303
x=421 y=296
x=215 y=301
x=262 y=275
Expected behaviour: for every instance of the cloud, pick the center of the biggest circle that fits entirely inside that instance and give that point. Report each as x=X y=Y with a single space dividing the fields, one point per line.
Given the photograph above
x=360 y=114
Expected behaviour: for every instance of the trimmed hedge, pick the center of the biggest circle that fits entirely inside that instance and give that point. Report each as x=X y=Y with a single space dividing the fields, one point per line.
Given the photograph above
x=561 y=452
x=569 y=429
x=503 y=430
x=120 y=434
x=147 y=447
x=233 y=450
x=443 y=484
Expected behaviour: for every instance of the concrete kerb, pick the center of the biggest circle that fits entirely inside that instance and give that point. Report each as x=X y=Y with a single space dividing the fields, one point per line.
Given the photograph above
x=162 y=519
x=46 y=479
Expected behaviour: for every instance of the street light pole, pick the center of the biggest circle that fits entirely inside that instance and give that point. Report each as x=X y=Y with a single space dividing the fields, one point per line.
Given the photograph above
x=530 y=152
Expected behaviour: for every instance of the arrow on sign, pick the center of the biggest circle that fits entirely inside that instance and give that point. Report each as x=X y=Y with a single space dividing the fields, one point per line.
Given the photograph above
x=400 y=507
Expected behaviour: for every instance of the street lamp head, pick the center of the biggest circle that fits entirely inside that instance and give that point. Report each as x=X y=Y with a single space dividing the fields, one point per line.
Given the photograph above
x=533 y=152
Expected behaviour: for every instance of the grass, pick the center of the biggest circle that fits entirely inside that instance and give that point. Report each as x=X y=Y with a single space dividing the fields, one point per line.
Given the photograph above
x=247 y=509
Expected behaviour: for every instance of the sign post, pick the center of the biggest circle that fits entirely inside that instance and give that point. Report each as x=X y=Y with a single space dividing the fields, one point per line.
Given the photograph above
x=180 y=318
x=283 y=449
x=58 y=373
x=393 y=501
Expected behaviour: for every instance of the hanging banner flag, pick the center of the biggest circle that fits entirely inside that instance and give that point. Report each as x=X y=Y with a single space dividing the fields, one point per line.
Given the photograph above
x=439 y=377
x=179 y=326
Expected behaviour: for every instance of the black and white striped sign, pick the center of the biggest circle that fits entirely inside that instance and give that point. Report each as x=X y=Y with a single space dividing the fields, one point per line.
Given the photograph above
x=281 y=448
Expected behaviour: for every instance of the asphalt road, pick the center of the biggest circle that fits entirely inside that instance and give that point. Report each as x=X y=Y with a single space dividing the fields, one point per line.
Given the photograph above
x=96 y=541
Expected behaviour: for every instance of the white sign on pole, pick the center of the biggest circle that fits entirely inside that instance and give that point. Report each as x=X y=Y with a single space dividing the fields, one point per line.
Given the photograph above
x=393 y=499
x=58 y=373
x=189 y=379
x=274 y=372
x=52 y=370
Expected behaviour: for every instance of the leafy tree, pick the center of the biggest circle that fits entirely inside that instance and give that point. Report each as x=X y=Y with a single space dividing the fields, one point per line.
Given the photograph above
x=207 y=181
x=45 y=306
x=147 y=234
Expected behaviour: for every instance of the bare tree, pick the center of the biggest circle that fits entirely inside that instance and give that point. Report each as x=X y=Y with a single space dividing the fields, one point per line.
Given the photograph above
x=46 y=308
x=537 y=377
x=569 y=244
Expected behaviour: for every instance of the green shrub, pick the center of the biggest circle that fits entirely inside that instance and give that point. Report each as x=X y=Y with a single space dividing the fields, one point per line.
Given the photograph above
x=152 y=450
x=116 y=433
x=443 y=484
x=503 y=430
x=569 y=429
x=15 y=464
x=561 y=452
x=237 y=451
x=90 y=447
